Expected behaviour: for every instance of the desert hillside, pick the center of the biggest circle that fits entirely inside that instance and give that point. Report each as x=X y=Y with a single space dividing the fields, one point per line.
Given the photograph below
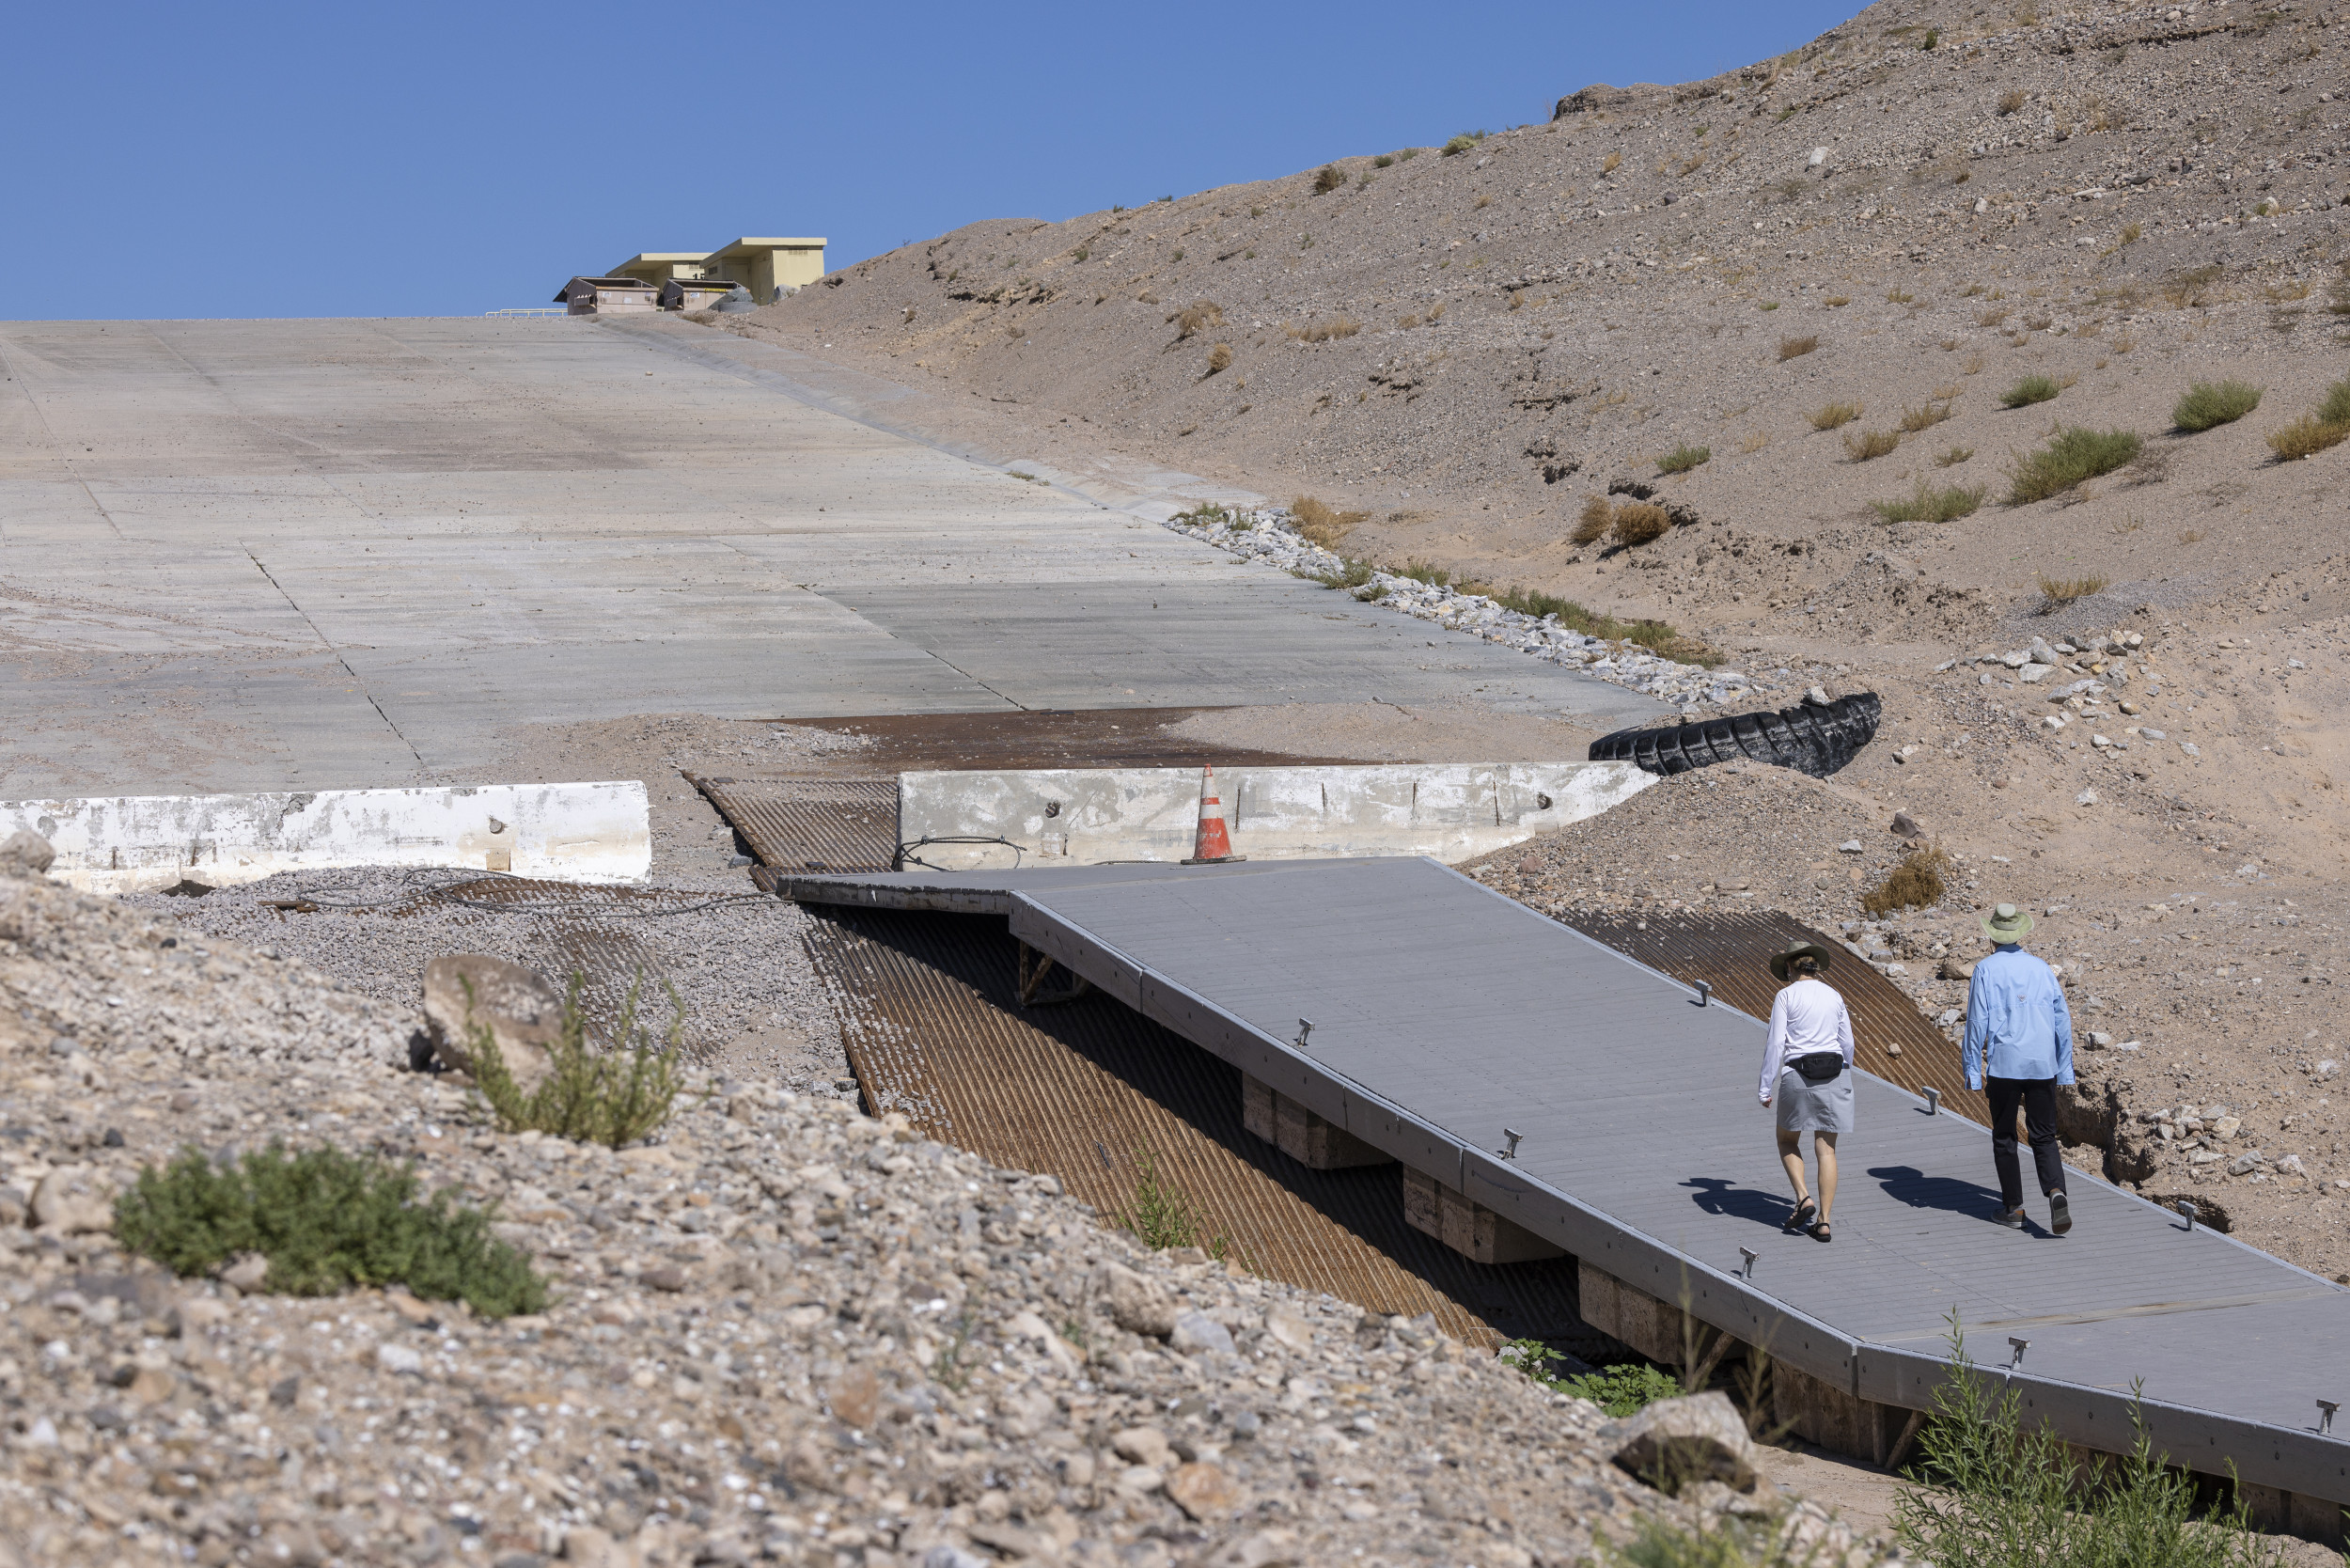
x=1974 y=228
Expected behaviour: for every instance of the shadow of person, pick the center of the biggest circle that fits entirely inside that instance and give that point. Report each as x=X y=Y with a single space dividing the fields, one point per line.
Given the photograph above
x=1719 y=1196
x=1908 y=1185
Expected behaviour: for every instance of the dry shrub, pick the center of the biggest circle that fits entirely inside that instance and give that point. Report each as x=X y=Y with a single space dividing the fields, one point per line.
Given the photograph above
x=1917 y=883
x=1328 y=180
x=1197 y=316
x=2315 y=432
x=1796 y=348
x=2011 y=101
x=1870 y=445
x=2197 y=286
x=1322 y=522
x=1337 y=327
x=1837 y=302
x=1638 y=523
x=1597 y=518
x=1755 y=440
x=1991 y=316
x=2061 y=591
x=1408 y=320
x=1611 y=162
x=1219 y=358
x=1833 y=415
x=1916 y=419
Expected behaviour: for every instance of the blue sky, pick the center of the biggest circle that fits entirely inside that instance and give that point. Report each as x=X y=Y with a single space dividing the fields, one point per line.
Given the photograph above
x=428 y=159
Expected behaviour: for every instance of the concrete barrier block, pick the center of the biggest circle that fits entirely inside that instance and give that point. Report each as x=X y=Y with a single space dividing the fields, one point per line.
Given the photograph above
x=1467 y=1227
x=1317 y=1144
x=1256 y=1109
x=1423 y=1206
x=599 y=832
x=1089 y=816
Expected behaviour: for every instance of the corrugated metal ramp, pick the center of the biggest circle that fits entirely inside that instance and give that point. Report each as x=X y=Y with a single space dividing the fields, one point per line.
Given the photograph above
x=1444 y=1012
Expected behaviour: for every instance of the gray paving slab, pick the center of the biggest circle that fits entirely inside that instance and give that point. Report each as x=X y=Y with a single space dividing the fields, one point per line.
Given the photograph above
x=241 y=554
x=1439 y=1004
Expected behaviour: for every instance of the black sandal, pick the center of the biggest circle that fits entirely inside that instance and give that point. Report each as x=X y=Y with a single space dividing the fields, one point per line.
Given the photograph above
x=1818 y=1232
x=1799 y=1223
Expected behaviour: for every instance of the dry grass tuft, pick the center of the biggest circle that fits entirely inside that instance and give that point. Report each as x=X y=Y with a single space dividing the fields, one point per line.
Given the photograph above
x=2316 y=433
x=1328 y=180
x=1796 y=348
x=1916 y=419
x=1837 y=302
x=1917 y=883
x=1929 y=505
x=1598 y=516
x=1952 y=456
x=2061 y=591
x=1322 y=522
x=1870 y=445
x=2030 y=390
x=1611 y=162
x=2211 y=403
x=1833 y=415
x=2073 y=454
x=1337 y=327
x=1683 y=458
x=1219 y=358
x=2011 y=101
x=1196 y=318
x=1639 y=522
x=1755 y=440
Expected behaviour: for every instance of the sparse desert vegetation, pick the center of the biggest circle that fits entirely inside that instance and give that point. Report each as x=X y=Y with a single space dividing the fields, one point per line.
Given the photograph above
x=1796 y=348
x=1928 y=504
x=1830 y=416
x=2209 y=404
x=1683 y=458
x=1324 y=524
x=1868 y=446
x=2312 y=433
x=2030 y=390
x=2061 y=591
x=2075 y=453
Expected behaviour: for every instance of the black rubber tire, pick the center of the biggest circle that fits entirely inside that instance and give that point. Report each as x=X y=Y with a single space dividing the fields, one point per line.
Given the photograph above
x=1808 y=738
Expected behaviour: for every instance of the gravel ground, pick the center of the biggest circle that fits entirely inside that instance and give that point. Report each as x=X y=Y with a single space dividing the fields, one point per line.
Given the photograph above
x=784 y=1332
x=751 y=1002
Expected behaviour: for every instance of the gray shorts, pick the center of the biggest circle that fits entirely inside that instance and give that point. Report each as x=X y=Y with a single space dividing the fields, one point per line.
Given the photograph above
x=1809 y=1107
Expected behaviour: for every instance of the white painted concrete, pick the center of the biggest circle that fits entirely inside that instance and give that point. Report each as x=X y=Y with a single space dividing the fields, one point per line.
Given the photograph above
x=1092 y=816
x=130 y=843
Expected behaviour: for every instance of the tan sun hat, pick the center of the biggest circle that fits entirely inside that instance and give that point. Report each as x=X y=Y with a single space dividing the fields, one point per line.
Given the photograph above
x=2008 y=924
x=1800 y=949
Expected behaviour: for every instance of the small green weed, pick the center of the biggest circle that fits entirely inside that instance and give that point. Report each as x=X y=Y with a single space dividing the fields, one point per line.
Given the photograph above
x=1160 y=1215
x=1349 y=573
x=326 y=1221
x=2210 y=403
x=1463 y=142
x=1683 y=458
x=1929 y=505
x=2075 y=453
x=1622 y=1390
x=2030 y=390
x=1423 y=572
x=613 y=1098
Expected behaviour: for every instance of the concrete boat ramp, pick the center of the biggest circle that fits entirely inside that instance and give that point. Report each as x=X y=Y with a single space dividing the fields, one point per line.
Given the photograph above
x=1450 y=1025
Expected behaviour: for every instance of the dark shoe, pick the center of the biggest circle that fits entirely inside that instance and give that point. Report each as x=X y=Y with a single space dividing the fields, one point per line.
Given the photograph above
x=1818 y=1232
x=1800 y=1221
x=2060 y=1213
x=2012 y=1218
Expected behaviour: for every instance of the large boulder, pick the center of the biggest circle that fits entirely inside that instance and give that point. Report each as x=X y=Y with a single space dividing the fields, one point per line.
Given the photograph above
x=1677 y=1443
x=521 y=1011
x=25 y=854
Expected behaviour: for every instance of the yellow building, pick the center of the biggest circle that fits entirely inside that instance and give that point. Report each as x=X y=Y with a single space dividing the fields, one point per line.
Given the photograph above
x=658 y=267
x=765 y=267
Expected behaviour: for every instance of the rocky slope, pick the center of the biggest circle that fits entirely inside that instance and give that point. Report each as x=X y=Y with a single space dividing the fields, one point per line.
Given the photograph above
x=783 y=1332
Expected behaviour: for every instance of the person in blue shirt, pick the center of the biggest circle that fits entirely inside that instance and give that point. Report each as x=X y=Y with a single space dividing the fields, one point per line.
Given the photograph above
x=2019 y=1048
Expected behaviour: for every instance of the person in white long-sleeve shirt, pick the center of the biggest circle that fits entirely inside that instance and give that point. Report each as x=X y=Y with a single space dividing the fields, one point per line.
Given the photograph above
x=1806 y=1072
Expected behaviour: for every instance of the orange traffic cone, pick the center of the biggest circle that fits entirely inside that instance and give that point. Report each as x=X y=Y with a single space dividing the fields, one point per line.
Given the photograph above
x=1214 y=845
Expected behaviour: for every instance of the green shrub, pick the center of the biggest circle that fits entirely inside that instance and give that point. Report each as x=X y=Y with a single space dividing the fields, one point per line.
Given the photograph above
x=609 y=1097
x=2335 y=410
x=326 y=1221
x=1871 y=444
x=1348 y=573
x=2209 y=404
x=1620 y=1389
x=1929 y=505
x=2030 y=390
x=1424 y=572
x=2073 y=454
x=1987 y=1492
x=1683 y=458
x=1462 y=142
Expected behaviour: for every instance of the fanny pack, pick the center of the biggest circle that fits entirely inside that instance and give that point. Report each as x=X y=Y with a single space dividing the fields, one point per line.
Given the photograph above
x=1819 y=1067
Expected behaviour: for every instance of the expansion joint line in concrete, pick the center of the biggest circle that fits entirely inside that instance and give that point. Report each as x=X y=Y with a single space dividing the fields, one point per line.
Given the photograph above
x=356 y=678
x=66 y=457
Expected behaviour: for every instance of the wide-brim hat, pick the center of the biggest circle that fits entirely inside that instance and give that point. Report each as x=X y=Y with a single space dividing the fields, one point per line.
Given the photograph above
x=2007 y=923
x=1801 y=949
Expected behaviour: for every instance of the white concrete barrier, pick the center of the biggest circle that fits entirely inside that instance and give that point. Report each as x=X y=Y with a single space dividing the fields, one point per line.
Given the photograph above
x=1092 y=816
x=131 y=843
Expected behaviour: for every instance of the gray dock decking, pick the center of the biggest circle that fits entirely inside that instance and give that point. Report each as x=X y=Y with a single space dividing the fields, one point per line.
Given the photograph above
x=1444 y=1012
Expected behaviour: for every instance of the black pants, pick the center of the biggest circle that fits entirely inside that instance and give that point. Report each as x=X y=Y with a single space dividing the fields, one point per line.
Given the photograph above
x=2037 y=1096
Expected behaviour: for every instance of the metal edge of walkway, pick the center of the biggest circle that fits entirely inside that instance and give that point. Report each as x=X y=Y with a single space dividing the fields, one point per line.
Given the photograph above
x=2297 y=1460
